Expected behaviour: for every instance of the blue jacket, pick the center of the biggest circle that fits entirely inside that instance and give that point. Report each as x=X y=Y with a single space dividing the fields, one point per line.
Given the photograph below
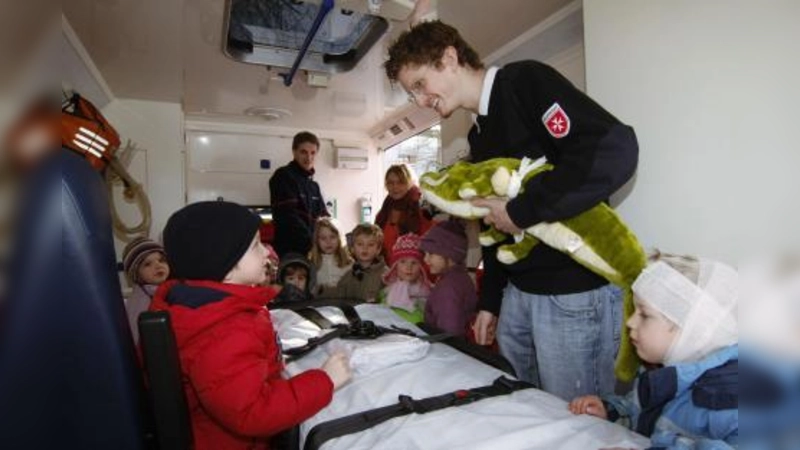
x=770 y=397
x=685 y=406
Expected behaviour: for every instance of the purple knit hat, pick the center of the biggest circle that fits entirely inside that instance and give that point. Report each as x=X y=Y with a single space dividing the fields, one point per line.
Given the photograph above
x=448 y=239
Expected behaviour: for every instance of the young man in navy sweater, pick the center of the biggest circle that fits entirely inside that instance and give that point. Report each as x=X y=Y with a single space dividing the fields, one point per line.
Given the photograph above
x=560 y=323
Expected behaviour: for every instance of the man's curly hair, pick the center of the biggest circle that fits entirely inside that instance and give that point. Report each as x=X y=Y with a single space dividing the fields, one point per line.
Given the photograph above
x=424 y=44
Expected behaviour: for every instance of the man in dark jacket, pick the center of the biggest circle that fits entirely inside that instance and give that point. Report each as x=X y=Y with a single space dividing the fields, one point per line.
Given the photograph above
x=296 y=199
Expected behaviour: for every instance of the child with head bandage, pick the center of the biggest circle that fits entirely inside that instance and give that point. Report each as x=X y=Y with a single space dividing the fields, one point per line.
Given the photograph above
x=686 y=327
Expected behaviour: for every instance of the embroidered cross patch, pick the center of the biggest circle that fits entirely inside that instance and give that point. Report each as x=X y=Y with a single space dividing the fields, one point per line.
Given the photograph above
x=556 y=121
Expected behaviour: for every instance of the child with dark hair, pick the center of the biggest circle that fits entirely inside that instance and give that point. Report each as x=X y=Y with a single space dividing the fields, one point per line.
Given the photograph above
x=146 y=267
x=229 y=351
x=453 y=299
x=296 y=275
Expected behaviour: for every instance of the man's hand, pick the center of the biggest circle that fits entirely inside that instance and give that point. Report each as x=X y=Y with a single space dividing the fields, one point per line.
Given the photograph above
x=484 y=328
x=498 y=216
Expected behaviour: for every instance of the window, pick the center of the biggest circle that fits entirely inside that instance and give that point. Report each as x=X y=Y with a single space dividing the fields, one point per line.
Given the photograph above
x=422 y=152
x=271 y=32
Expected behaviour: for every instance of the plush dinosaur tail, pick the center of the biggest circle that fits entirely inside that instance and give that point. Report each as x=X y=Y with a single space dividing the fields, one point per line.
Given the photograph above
x=627 y=363
x=596 y=239
x=606 y=236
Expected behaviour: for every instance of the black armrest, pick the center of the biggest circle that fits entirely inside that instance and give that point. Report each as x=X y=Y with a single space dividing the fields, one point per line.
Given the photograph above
x=164 y=379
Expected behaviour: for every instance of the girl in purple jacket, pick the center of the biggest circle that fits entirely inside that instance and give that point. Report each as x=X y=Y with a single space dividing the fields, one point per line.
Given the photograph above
x=453 y=300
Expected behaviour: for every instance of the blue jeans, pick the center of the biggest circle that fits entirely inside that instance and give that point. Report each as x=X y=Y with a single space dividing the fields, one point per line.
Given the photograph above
x=565 y=344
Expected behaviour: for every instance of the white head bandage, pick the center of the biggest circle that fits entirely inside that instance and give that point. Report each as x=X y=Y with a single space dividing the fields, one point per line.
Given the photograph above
x=706 y=312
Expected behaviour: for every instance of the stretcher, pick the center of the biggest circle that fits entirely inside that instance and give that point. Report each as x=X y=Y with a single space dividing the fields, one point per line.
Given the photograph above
x=522 y=418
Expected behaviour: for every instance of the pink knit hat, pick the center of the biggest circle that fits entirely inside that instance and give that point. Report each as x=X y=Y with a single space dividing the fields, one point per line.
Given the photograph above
x=406 y=246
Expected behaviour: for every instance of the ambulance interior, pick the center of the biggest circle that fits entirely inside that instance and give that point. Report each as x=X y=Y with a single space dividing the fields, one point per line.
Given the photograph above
x=225 y=122
x=206 y=96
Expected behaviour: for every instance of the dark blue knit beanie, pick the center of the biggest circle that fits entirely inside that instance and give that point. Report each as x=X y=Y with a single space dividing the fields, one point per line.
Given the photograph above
x=205 y=240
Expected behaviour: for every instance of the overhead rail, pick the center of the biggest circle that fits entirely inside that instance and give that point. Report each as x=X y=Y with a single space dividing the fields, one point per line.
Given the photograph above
x=324 y=9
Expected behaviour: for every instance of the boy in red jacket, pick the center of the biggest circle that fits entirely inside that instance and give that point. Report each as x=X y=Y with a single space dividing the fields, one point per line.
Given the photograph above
x=230 y=354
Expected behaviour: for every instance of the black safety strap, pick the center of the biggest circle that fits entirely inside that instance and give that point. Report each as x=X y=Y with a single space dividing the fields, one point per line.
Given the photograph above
x=314 y=316
x=293 y=354
x=361 y=421
x=361 y=330
x=357 y=328
x=349 y=311
x=345 y=305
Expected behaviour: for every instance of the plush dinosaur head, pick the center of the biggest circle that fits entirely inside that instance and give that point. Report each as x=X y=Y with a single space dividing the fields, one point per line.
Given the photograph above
x=450 y=190
x=596 y=238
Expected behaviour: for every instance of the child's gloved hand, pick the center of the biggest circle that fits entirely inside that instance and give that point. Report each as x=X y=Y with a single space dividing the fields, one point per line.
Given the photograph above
x=588 y=404
x=338 y=369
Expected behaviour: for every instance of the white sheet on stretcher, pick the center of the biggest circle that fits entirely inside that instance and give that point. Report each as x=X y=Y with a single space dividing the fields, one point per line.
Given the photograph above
x=527 y=419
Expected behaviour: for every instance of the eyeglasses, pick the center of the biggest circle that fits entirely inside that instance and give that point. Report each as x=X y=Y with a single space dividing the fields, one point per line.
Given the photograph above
x=415 y=93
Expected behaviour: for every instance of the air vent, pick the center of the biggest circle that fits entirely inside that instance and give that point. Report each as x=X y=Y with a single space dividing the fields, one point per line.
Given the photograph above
x=352 y=158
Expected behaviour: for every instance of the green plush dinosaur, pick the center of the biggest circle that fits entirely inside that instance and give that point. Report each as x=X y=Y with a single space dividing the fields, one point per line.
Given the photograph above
x=596 y=238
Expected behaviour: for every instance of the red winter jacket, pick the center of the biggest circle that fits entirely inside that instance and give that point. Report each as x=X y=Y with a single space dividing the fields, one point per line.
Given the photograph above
x=231 y=365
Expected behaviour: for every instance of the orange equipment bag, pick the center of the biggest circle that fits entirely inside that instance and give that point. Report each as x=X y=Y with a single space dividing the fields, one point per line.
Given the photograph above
x=86 y=131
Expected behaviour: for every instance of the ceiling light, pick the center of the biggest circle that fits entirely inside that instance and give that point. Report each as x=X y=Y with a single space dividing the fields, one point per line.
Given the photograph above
x=268 y=113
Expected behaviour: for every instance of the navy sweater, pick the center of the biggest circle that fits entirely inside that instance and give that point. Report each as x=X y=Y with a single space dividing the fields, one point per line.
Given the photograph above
x=593 y=159
x=296 y=203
